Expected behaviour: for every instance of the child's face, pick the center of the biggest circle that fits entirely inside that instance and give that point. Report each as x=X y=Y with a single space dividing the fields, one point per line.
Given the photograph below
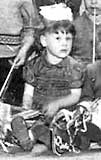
x=90 y=4
x=58 y=44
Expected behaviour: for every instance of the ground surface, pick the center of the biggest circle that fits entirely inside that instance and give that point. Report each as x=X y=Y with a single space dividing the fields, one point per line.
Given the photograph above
x=93 y=154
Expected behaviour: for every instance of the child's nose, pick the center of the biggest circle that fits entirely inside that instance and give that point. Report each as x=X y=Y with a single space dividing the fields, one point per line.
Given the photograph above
x=64 y=41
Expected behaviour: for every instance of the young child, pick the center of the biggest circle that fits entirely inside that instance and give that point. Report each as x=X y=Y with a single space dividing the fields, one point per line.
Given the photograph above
x=53 y=80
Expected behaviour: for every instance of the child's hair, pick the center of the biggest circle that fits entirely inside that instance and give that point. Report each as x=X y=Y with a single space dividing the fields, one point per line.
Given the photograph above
x=55 y=18
x=54 y=26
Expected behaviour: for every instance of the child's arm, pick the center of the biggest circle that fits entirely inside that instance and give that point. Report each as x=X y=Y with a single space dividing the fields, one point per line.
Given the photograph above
x=69 y=100
x=28 y=96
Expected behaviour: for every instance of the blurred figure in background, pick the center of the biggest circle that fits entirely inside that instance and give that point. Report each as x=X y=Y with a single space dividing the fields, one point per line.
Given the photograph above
x=91 y=101
x=84 y=40
x=17 y=22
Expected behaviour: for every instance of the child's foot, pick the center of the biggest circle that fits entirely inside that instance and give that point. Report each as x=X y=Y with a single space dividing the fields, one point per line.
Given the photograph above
x=20 y=132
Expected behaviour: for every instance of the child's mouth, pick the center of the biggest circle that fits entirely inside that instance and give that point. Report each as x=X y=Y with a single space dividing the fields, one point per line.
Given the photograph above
x=63 y=50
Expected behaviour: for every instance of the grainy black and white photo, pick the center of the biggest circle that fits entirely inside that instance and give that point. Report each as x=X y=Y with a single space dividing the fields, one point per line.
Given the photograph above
x=50 y=79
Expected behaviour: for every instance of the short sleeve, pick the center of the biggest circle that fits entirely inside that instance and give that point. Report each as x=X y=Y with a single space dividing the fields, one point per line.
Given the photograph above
x=78 y=73
x=28 y=72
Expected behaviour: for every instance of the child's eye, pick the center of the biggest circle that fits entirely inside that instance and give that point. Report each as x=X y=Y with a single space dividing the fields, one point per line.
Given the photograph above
x=58 y=38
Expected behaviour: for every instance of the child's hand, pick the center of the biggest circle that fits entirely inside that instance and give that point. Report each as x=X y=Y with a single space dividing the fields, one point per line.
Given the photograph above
x=50 y=109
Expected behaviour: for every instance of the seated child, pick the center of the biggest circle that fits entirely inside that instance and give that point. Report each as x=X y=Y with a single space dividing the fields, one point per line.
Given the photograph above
x=54 y=79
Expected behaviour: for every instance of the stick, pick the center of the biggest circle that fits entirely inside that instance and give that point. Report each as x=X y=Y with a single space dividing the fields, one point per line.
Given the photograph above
x=94 y=34
x=94 y=2
x=9 y=74
x=7 y=79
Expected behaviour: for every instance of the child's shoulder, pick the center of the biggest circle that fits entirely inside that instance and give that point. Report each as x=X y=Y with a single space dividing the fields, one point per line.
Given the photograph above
x=31 y=65
x=33 y=61
x=76 y=66
x=74 y=62
x=30 y=68
x=77 y=70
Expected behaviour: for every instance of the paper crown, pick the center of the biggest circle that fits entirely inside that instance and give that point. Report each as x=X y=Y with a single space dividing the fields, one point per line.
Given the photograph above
x=56 y=12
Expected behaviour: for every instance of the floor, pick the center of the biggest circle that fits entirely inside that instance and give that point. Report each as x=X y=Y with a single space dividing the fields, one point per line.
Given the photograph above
x=93 y=154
